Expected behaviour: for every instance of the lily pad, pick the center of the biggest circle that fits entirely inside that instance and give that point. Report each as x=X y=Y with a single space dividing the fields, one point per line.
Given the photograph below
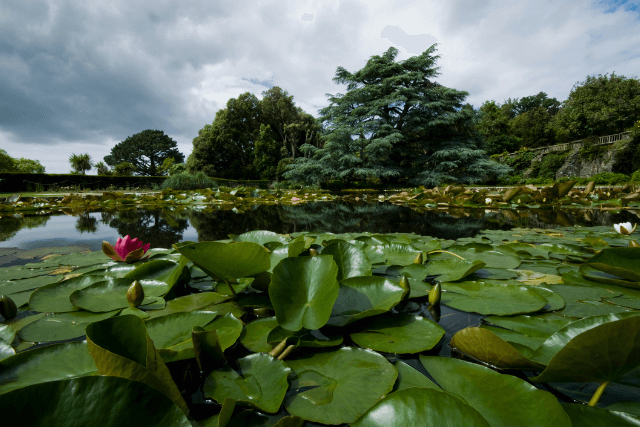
x=227 y=260
x=65 y=403
x=452 y=269
x=398 y=333
x=303 y=291
x=361 y=297
x=262 y=382
x=54 y=298
x=61 y=326
x=492 y=298
x=338 y=386
x=503 y=400
x=410 y=377
x=254 y=335
x=421 y=407
x=107 y=295
x=590 y=416
x=350 y=259
x=259 y=236
x=43 y=364
x=603 y=353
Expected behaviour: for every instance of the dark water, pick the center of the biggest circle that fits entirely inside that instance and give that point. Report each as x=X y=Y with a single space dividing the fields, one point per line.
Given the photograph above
x=163 y=227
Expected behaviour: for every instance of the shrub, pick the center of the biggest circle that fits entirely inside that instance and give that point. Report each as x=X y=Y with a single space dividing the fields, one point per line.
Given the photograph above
x=636 y=176
x=186 y=181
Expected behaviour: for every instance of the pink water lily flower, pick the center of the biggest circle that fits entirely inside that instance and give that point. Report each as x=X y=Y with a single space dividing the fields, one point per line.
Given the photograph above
x=126 y=249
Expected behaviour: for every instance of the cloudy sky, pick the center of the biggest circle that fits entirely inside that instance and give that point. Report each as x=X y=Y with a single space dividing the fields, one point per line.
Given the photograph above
x=80 y=76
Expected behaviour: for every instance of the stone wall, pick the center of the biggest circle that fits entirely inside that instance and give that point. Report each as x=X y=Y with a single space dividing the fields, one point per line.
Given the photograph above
x=574 y=166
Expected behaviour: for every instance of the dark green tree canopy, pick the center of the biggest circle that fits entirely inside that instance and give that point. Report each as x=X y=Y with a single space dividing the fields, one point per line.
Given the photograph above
x=396 y=123
x=146 y=151
x=598 y=106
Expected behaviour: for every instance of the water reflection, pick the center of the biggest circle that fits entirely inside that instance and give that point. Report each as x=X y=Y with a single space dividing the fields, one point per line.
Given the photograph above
x=162 y=228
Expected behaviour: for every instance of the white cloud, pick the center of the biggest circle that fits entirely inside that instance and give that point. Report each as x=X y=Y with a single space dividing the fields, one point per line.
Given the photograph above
x=81 y=76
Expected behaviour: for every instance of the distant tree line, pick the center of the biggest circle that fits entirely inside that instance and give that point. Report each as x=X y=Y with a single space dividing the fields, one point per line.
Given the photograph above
x=10 y=164
x=396 y=124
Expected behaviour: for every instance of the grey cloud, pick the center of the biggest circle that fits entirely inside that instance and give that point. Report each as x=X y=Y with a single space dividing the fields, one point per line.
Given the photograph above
x=415 y=44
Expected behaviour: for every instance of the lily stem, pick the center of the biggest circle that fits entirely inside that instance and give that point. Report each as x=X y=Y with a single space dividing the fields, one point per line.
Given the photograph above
x=286 y=352
x=598 y=393
x=233 y=291
x=279 y=348
x=446 y=252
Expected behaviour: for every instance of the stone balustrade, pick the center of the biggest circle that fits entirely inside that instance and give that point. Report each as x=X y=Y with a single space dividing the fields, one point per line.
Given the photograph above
x=603 y=140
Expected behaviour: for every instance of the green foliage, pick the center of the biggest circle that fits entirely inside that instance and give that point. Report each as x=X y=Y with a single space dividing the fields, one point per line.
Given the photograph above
x=7 y=163
x=124 y=169
x=590 y=152
x=396 y=123
x=146 y=150
x=103 y=169
x=628 y=159
x=598 y=106
x=186 y=181
x=636 y=176
x=29 y=166
x=551 y=162
x=521 y=161
x=532 y=127
x=80 y=163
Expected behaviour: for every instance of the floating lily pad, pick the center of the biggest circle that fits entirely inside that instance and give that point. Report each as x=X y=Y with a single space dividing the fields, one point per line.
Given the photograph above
x=344 y=383
x=54 y=298
x=43 y=364
x=350 y=259
x=452 y=269
x=65 y=403
x=361 y=297
x=107 y=295
x=398 y=333
x=227 y=260
x=603 y=353
x=306 y=337
x=491 y=298
x=189 y=303
x=590 y=416
x=262 y=382
x=303 y=291
x=421 y=407
x=61 y=326
x=259 y=236
x=502 y=399
x=410 y=377
x=393 y=253
x=157 y=277
x=254 y=335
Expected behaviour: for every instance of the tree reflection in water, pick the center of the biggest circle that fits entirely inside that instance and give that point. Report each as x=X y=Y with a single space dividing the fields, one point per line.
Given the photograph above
x=163 y=227
x=159 y=227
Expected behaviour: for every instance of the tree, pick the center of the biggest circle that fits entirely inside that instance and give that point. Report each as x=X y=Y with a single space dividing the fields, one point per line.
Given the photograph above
x=124 y=169
x=598 y=106
x=146 y=151
x=80 y=163
x=224 y=149
x=103 y=169
x=29 y=166
x=7 y=163
x=394 y=123
x=528 y=103
x=493 y=125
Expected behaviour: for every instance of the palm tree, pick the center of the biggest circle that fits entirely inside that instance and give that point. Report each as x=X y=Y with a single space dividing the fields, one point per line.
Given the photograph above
x=81 y=163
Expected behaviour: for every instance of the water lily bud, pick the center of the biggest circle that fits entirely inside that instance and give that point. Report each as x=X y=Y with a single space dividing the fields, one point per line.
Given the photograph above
x=8 y=308
x=634 y=244
x=313 y=252
x=404 y=284
x=135 y=294
x=418 y=259
x=435 y=295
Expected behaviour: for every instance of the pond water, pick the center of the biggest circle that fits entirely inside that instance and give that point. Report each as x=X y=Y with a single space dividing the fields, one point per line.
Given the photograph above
x=164 y=227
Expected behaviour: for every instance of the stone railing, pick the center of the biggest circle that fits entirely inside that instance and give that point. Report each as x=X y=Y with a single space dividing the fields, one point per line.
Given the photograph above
x=603 y=140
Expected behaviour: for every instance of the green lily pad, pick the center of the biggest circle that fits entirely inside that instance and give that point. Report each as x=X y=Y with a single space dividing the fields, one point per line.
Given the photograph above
x=452 y=269
x=603 y=353
x=291 y=249
x=621 y=262
x=22 y=285
x=350 y=259
x=121 y=347
x=503 y=400
x=344 y=383
x=157 y=277
x=421 y=407
x=259 y=236
x=54 y=298
x=393 y=253
x=61 y=326
x=107 y=295
x=261 y=384
x=483 y=252
x=303 y=291
x=65 y=403
x=361 y=297
x=189 y=303
x=254 y=335
x=398 y=333
x=172 y=333
x=43 y=364
x=492 y=298
x=591 y=416
x=306 y=338
x=227 y=260
x=410 y=377
x=7 y=333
